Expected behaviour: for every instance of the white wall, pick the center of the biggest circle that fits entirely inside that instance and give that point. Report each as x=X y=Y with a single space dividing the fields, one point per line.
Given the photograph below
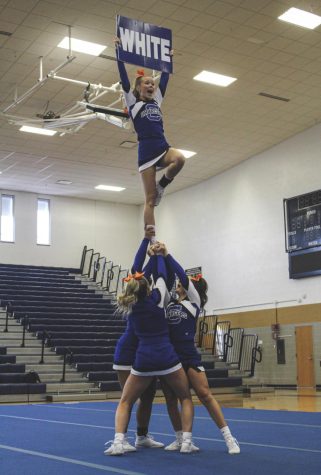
x=233 y=225
x=74 y=223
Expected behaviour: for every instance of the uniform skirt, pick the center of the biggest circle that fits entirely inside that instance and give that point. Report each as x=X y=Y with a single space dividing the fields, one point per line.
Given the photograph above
x=125 y=351
x=150 y=152
x=155 y=358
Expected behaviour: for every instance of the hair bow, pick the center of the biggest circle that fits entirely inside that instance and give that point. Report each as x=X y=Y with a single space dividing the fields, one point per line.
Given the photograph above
x=136 y=276
x=140 y=73
x=197 y=277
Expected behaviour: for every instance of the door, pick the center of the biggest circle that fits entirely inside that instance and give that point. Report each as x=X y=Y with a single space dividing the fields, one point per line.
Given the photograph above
x=304 y=357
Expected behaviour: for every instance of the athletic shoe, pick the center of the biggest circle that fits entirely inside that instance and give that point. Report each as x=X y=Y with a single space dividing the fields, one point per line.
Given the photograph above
x=176 y=445
x=188 y=447
x=116 y=448
x=126 y=445
x=232 y=446
x=159 y=194
x=147 y=442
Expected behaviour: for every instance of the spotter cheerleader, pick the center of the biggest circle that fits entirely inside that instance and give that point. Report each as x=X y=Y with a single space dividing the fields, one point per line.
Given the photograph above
x=124 y=357
x=181 y=315
x=155 y=355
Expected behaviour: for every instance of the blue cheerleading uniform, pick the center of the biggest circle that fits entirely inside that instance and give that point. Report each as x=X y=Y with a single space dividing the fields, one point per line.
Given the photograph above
x=126 y=346
x=182 y=319
x=155 y=355
x=147 y=119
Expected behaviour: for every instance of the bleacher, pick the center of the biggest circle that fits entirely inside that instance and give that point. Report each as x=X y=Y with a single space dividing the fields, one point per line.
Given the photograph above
x=58 y=313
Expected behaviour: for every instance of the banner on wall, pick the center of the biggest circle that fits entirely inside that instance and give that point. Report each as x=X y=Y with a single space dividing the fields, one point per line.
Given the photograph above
x=144 y=44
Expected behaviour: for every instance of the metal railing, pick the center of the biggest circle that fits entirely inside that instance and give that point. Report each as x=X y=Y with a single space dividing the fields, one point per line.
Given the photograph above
x=46 y=337
x=66 y=352
x=227 y=344
x=10 y=313
x=233 y=347
x=250 y=354
x=86 y=261
x=107 y=275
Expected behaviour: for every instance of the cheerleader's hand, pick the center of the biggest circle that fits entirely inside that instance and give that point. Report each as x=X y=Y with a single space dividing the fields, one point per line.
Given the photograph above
x=149 y=232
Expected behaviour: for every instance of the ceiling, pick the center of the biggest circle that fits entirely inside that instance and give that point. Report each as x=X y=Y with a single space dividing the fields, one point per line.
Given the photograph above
x=225 y=126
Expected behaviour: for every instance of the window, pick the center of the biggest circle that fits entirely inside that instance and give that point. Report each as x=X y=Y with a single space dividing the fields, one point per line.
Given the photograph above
x=7 y=218
x=43 y=221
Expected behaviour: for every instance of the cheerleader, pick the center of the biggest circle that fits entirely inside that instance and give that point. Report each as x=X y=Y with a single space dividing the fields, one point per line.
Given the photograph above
x=124 y=357
x=155 y=356
x=181 y=315
x=154 y=153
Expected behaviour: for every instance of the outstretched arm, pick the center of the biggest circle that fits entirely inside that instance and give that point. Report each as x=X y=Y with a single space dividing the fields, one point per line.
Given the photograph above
x=163 y=83
x=140 y=256
x=160 y=276
x=121 y=68
x=188 y=285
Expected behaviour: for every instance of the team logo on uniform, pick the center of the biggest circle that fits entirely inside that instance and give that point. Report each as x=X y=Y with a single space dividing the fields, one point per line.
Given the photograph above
x=175 y=315
x=152 y=113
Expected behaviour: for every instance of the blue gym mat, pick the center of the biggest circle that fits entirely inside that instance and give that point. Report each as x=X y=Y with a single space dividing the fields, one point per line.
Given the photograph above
x=68 y=439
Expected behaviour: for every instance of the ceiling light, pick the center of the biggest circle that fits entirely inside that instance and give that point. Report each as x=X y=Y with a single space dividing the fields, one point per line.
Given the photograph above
x=37 y=130
x=214 y=78
x=64 y=182
x=109 y=188
x=82 y=46
x=186 y=153
x=301 y=18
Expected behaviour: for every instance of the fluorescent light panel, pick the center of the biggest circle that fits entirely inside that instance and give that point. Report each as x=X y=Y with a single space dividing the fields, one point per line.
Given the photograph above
x=214 y=78
x=186 y=153
x=301 y=18
x=82 y=46
x=37 y=130
x=109 y=188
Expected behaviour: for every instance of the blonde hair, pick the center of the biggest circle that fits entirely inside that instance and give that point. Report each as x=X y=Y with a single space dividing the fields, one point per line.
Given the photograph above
x=135 y=290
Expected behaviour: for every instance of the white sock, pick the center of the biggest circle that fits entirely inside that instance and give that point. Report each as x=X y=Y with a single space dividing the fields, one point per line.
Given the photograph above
x=187 y=436
x=226 y=432
x=179 y=435
x=119 y=436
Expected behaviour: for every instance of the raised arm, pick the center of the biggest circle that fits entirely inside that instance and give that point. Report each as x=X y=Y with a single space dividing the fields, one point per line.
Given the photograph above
x=123 y=76
x=188 y=285
x=121 y=68
x=163 y=83
x=140 y=256
x=160 y=277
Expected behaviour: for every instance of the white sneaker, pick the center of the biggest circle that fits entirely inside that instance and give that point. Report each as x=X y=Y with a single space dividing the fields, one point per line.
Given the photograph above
x=116 y=448
x=126 y=446
x=188 y=447
x=147 y=442
x=232 y=446
x=176 y=445
x=159 y=194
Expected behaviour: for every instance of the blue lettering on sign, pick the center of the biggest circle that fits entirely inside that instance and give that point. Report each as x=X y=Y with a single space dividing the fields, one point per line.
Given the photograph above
x=144 y=44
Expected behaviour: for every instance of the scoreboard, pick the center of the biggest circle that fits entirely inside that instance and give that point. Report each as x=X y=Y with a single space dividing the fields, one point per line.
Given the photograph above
x=302 y=216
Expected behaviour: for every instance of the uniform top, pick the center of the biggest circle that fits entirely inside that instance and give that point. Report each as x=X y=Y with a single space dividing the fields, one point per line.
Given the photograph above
x=146 y=115
x=182 y=316
x=147 y=317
